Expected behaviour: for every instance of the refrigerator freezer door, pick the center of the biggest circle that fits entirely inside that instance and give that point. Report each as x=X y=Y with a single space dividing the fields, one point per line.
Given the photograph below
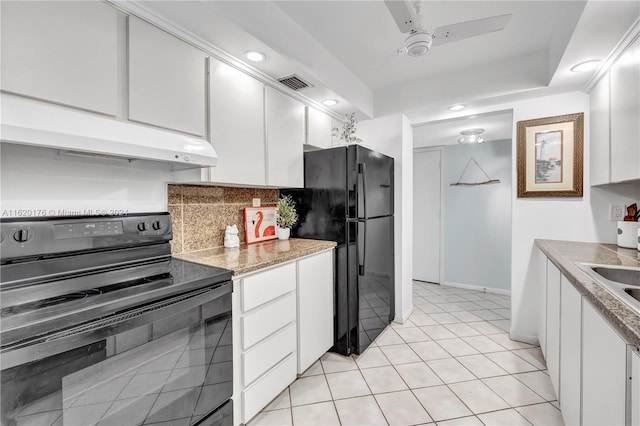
x=370 y=183
x=375 y=289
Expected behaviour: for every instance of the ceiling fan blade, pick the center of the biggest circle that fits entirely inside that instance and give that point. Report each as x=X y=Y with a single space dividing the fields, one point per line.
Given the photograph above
x=468 y=29
x=405 y=14
x=388 y=58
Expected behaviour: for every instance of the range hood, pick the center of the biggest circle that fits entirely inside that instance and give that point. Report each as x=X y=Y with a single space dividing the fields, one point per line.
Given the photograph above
x=30 y=122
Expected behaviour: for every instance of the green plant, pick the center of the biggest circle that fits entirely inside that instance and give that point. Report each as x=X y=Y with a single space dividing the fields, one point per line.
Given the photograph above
x=286 y=212
x=348 y=132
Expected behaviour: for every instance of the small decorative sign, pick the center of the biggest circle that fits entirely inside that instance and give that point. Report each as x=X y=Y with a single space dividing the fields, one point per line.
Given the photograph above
x=260 y=223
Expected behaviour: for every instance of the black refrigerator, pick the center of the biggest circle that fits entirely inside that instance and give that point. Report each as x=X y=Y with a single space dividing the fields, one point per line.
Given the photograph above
x=348 y=198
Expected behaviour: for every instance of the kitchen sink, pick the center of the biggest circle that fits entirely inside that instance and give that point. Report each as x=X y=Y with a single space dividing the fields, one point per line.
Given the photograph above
x=623 y=282
x=619 y=275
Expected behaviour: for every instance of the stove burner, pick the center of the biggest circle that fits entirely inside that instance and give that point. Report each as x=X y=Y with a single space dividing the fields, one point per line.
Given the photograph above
x=41 y=304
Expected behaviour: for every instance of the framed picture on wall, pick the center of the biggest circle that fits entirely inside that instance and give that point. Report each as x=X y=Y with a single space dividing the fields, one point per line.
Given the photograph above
x=550 y=156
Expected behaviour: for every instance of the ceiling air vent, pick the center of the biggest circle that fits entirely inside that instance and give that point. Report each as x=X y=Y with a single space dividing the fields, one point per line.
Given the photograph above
x=294 y=82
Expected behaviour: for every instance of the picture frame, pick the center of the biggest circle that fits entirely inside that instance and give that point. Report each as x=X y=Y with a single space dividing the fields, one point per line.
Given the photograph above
x=550 y=156
x=260 y=224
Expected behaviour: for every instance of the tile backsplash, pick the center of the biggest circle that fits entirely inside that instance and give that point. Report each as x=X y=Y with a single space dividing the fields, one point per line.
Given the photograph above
x=199 y=214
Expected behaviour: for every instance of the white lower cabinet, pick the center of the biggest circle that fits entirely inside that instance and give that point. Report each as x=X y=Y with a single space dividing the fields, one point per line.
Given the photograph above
x=594 y=371
x=315 y=308
x=634 y=385
x=604 y=371
x=269 y=306
x=570 y=332
x=553 y=325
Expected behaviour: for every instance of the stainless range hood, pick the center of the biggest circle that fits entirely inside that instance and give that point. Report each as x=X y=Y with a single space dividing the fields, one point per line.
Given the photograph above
x=30 y=122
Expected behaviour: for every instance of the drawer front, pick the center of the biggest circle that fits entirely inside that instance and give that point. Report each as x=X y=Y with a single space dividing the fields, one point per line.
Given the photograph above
x=268 y=353
x=265 y=286
x=266 y=320
x=258 y=395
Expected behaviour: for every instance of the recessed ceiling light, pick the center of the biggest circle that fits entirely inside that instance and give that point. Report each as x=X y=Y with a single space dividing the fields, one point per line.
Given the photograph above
x=254 y=56
x=329 y=102
x=457 y=107
x=586 y=66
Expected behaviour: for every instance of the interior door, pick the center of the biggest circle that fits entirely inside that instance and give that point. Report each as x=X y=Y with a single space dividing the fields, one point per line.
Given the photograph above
x=426 y=215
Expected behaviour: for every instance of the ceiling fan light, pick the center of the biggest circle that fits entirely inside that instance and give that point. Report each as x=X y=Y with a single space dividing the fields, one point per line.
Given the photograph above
x=418 y=43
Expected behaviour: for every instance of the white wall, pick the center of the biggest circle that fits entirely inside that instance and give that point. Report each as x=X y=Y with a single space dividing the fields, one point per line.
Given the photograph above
x=392 y=136
x=579 y=219
x=38 y=179
x=477 y=234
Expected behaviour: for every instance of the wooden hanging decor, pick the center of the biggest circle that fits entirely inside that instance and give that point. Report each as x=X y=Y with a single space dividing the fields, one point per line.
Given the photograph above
x=489 y=180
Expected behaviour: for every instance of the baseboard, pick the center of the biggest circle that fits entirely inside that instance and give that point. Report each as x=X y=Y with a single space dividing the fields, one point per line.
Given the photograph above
x=478 y=288
x=405 y=317
x=525 y=338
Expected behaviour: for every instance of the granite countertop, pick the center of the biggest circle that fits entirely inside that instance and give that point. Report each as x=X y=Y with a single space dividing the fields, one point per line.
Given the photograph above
x=564 y=253
x=251 y=257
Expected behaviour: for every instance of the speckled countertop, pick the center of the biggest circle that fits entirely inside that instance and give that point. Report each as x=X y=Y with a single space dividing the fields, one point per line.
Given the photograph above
x=251 y=257
x=564 y=254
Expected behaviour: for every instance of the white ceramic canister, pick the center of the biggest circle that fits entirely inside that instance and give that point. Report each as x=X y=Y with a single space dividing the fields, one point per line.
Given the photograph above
x=628 y=234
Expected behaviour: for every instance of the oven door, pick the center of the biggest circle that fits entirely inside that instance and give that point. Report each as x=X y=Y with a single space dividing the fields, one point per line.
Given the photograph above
x=169 y=362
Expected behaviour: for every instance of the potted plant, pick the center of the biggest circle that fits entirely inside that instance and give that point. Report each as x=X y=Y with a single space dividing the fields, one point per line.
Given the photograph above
x=348 y=131
x=286 y=217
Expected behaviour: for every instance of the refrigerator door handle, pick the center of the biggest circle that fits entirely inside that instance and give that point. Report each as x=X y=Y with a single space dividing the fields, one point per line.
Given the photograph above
x=362 y=248
x=362 y=171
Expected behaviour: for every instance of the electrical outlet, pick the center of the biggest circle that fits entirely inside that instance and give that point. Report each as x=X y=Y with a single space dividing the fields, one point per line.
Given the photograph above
x=256 y=202
x=616 y=212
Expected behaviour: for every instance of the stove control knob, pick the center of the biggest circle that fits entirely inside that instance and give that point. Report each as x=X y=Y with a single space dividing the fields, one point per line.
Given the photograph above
x=156 y=225
x=22 y=235
x=142 y=226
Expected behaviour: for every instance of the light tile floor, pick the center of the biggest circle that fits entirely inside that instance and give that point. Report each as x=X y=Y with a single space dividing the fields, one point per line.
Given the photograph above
x=452 y=363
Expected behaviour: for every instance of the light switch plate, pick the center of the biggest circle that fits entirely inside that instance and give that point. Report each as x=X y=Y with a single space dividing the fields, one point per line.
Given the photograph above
x=256 y=202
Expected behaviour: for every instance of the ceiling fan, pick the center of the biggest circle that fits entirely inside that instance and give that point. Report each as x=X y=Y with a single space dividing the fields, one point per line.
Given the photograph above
x=407 y=15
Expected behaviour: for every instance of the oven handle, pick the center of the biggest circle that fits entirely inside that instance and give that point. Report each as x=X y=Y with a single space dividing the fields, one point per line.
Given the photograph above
x=94 y=331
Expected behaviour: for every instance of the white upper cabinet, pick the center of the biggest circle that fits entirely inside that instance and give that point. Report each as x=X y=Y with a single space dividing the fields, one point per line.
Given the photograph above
x=285 y=139
x=625 y=115
x=62 y=52
x=167 y=80
x=237 y=125
x=599 y=109
x=318 y=128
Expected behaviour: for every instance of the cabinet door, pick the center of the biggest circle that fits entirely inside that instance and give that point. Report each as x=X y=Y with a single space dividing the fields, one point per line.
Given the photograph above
x=570 y=345
x=318 y=128
x=625 y=115
x=604 y=364
x=167 y=80
x=553 y=325
x=285 y=139
x=315 y=308
x=237 y=125
x=540 y=265
x=599 y=109
x=64 y=52
x=635 y=388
